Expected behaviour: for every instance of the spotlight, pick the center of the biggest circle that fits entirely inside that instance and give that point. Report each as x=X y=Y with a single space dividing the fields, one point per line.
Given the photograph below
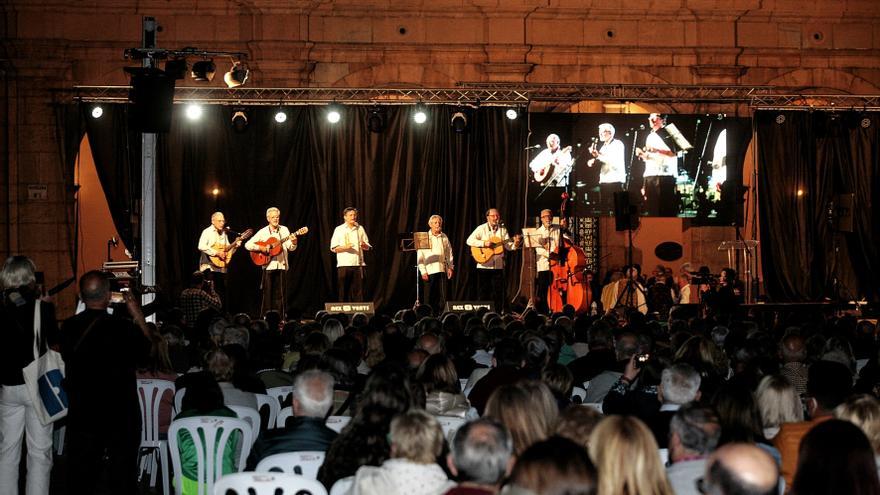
x=176 y=68
x=280 y=117
x=239 y=120
x=459 y=122
x=203 y=70
x=376 y=120
x=333 y=113
x=215 y=192
x=420 y=117
x=511 y=113
x=97 y=111
x=193 y=111
x=236 y=76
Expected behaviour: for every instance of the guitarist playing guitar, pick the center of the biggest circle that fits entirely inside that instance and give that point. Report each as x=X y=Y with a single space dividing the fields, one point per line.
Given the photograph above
x=274 y=241
x=216 y=251
x=488 y=243
x=553 y=164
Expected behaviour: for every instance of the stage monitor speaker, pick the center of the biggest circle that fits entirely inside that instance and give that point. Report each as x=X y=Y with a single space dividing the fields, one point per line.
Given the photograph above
x=466 y=306
x=350 y=308
x=152 y=101
x=626 y=215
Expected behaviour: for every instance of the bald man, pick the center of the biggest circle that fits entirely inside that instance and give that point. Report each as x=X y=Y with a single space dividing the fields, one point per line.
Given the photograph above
x=793 y=351
x=740 y=468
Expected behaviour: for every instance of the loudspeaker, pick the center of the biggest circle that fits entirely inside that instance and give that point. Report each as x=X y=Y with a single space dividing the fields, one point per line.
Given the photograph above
x=626 y=215
x=152 y=99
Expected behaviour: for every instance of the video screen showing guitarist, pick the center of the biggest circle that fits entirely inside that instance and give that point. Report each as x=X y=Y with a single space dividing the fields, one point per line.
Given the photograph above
x=661 y=169
x=488 y=243
x=269 y=248
x=216 y=251
x=553 y=164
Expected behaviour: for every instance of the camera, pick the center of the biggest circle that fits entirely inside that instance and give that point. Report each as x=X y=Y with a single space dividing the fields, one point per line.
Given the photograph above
x=641 y=359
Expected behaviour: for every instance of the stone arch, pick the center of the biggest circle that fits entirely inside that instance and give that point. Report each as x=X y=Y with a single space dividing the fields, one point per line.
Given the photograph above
x=819 y=80
x=396 y=75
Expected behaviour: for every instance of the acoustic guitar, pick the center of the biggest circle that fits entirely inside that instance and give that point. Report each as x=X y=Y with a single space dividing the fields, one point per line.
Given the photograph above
x=485 y=253
x=548 y=169
x=274 y=247
x=225 y=251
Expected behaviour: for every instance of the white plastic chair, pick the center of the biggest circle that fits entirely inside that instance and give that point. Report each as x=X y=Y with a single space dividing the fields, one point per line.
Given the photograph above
x=267 y=484
x=272 y=404
x=462 y=383
x=280 y=393
x=450 y=425
x=283 y=415
x=150 y=393
x=178 y=400
x=578 y=392
x=305 y=463
x=337 y=423
x=251 y=416
x=216 y=432
x=342 y=486
x=664 y=456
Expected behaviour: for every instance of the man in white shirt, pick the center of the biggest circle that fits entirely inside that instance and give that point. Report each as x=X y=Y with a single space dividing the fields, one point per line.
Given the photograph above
x=610 y=157
x=490 y=275
x=214 y=242
x=435 y=265
x=349 y=242
x=661 y=170
x=548 y=243
x=553 y=164
x=264 y=241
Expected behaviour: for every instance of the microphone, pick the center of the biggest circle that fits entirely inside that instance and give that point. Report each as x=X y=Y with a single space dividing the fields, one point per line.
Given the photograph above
x=641 y=127
x=114 y=241
x=535 y=147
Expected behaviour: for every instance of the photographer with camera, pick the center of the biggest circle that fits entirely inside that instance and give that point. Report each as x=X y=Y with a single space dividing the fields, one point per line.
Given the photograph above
x=199 y=296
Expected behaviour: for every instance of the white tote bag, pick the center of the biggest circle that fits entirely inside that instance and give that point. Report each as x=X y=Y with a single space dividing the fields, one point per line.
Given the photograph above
x=43 y=378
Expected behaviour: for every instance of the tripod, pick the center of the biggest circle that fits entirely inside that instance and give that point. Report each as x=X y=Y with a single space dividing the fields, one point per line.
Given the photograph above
x=630 y=296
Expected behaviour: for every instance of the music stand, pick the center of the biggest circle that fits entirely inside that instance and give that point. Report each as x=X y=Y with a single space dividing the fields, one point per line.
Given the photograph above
x=413 y=241
x=531 y=240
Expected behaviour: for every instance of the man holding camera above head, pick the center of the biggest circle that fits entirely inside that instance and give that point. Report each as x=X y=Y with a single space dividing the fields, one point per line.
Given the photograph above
x=199 y=296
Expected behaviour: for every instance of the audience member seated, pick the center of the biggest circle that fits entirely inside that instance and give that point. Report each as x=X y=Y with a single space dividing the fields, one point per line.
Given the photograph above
x=527 y=409
x=863 y=411
x=203 y=398
x=740 y=417
x=693 y=435
x=364 y=441
x=305 y=430
x=793 y=351
x=828 y=385
x=601 y=356
x=625 y=454
x=481 y=457
x=157 y=366
x=266 y=355
x=442 y=389
x=625 y=347
x=220 y=366
x=416 y=443
x=740 y=469
x=507 y=363
x=560 y=382
x=835 y=457
x=577 y=423
x=553 y=466
x=779 y=403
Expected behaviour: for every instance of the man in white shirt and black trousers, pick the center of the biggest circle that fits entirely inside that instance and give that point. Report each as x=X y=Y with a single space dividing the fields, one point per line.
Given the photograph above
x=273 y=272
x=435 y=265
x=547 y=245
x=349 y=242
x=490 y=275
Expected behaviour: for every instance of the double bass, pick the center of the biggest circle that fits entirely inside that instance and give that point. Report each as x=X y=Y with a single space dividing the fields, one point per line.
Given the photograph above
x=568 y=264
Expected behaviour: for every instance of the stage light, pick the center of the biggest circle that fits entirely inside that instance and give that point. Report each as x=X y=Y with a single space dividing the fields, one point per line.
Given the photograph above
x=193 y=111
x=239 y=120
x=376 y=120
x=236 y=76
x=334 y=113
x=203 y=70
x=420 y=116
x=800 y=192
x=215 y=192
x=459 y=122
x=280 y=117
x=176 y=68
x=97 y=112
x=511 y=113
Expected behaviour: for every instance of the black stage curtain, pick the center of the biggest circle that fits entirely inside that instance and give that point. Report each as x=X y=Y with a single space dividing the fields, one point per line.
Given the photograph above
x=822 y=155
x=312 y=170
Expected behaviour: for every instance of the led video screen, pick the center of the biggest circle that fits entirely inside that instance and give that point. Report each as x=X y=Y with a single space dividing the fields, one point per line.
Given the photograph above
x=673 y=165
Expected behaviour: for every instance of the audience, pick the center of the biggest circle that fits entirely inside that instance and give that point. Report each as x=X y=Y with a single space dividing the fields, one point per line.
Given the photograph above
x=779 y=403
x=481 y=457
x=693 y=434
x=305 y=430
x=527 y=409
x=863 y=411
x=836 y=457
x=577 y=424
x=625 y=454
x=416 y=443
x=555 y=466
x=442 y=389
x=740 y=469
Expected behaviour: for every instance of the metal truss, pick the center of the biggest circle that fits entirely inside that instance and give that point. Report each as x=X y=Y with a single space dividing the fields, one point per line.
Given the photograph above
x=501 y=94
